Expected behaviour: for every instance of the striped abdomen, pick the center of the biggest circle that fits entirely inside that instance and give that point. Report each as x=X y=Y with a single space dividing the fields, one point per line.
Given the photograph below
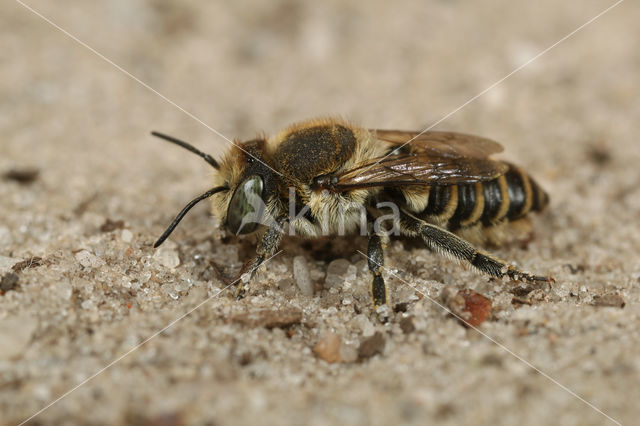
x=508 y=197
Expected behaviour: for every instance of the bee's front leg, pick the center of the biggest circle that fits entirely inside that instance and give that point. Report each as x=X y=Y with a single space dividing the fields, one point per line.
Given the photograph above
x=267 y=248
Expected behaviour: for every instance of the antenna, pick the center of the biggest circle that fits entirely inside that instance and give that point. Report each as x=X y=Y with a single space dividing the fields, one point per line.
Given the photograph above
x=209 y=159
x=184 y=211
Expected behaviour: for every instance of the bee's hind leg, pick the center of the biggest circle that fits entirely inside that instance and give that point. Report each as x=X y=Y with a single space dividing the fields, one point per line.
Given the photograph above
x=450 y=244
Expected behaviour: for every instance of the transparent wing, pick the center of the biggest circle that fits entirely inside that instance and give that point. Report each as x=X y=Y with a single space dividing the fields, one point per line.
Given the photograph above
x=440 y=143
x=432 y=158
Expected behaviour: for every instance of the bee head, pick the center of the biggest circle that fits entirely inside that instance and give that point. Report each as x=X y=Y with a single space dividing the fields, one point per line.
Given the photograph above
x=245 y=172
x=243 y=180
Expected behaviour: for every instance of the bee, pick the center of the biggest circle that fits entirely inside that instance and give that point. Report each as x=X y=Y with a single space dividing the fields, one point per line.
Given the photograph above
x=328 y=177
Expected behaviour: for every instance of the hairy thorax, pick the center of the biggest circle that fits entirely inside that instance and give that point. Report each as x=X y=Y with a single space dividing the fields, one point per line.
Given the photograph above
x=327 y=213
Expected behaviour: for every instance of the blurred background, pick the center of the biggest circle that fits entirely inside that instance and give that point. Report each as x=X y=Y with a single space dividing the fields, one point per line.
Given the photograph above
x=244 y=68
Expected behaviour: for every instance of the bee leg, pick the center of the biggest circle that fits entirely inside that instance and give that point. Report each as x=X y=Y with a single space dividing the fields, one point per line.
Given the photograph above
x=375 y=257
x=450 y=244
x=267 y=247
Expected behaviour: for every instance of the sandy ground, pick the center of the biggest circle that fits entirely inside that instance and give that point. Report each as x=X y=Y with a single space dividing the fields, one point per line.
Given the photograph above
x=90 y=286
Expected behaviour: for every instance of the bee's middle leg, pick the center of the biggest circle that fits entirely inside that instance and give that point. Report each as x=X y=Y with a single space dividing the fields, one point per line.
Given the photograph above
x=375 y=258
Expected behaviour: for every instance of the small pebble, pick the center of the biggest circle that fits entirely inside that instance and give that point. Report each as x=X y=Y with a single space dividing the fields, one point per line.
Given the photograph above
x=8 y=282
x=87 y=304
x=301 y=275
x=167 y=257
x=470 y=307
x=284 y=317
x=22 y=176
x=6 y=263
x=126 y=236
x=339 y=271
x=286 y=285
x=15 y=335
x=5 y=236
x=328 y=347
x=371 y=346
x=88 y=259
x=111 y=225
x=64 y=290
x=611 y=300
x=348 y=353
x=401 y=307
x=406 y=325
x=364 y=325
x=165 y=419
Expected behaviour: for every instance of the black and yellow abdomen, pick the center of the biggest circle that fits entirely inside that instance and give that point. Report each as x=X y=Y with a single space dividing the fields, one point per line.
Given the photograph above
x=507 y=198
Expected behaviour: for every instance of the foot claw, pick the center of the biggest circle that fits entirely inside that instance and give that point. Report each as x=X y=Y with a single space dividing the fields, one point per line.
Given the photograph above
x=241 y=291
x=382 y=313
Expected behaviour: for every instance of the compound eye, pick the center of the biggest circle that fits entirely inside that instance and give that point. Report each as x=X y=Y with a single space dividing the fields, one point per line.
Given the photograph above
x=246 y=206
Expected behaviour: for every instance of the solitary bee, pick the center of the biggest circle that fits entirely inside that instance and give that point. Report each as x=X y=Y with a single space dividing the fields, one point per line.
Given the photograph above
x=441 y=187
